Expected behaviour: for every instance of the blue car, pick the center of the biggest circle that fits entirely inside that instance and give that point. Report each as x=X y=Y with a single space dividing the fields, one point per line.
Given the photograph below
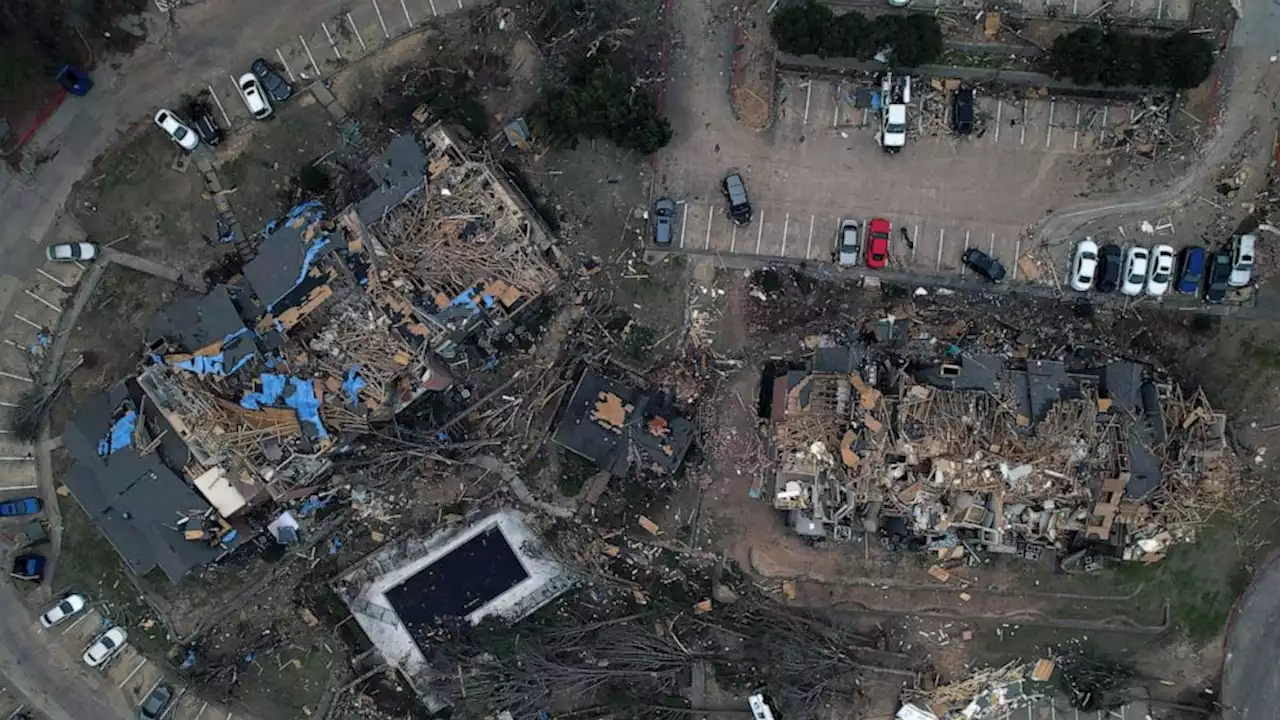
x=25 y=506
x=1191 y=272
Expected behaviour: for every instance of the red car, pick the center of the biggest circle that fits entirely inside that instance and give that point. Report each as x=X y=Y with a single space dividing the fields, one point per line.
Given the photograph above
x=877 y=243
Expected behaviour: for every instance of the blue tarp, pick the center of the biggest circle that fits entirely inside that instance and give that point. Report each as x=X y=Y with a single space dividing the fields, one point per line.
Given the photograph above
x=302 y=399
x=212 y=364
x=304 y=402
x=353 y=384
x=272 y=389
x=121 y=435
x=312 y=252
x=468 y=300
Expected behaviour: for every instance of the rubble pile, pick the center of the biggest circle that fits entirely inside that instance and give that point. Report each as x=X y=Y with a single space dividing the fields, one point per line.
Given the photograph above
x=967 y=452
x=992 y=693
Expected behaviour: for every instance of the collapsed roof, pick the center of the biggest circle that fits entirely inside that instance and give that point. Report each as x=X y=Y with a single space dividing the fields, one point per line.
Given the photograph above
x=618 y=427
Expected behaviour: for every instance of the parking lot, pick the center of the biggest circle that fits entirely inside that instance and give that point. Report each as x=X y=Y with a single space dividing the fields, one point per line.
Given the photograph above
x=129 y=671
x=820 y=162
x=314 y=51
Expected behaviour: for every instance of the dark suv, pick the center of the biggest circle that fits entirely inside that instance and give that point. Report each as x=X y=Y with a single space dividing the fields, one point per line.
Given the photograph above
x=205 y=124
x=739 y=206
x=1109 y=268
x=273 y=82
x=962 y=111
x=983 y=264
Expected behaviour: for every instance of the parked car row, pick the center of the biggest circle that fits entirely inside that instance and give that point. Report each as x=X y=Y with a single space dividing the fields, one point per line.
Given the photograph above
x=258 y=88
x=1153 y=272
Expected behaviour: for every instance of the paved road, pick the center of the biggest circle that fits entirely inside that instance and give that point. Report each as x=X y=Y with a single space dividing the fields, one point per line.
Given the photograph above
x=1250 y=681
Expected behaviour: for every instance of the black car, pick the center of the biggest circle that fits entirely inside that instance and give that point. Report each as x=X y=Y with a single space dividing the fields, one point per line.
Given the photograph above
x=205 y=124
x=1219 y=274
x=736 y=192
x=273 y=82
x=962 y=111
x=154 y=705
x=1109 y=260
x=983 y=264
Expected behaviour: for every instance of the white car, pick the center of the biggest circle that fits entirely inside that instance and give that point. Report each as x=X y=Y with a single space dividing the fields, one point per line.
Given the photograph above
x=105 y=647
x=1134 y=273
x=1242 y=260
x=1085 y=265
x=847 y=244
x=1161 y=274
x=893 y=136
x=71 y=252
x=254 y=99
x=69 y=606
x=177 y=130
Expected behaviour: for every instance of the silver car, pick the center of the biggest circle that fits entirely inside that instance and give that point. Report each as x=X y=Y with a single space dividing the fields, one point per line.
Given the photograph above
x=848 y=243
x=663 y=212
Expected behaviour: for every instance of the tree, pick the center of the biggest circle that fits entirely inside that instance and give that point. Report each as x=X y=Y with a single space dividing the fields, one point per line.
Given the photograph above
x=804 y=29
x=812 y=29
x=603 y=102
x=1078 y=56
x=1090 y=56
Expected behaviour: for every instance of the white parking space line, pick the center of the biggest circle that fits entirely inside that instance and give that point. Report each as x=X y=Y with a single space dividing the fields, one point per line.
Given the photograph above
x=405 y=8
x=381 y=22
x=129 y=677
x=1048 y=135
x=999 y=111
x=42 y=301
x=759 y=231
x=287 y=69
x=1075 y=141
x=960 y=268
x=808 y=95
x=332 y=44
x=711 y=218
x=433 y=8
x=356 y=30
x=226 y=118
x=733 y=237
x=991 y=250
x=29 y=321
x=1102 y=135
x=1022 y=138
x=786 y=225
x=808 y=251
x=942 y=236
x=67 y=629
x=1017 y=253
x=459 y=4
x=835 y=120
x=201 y=713
x=915 y=238
x=43 y=272
x=310 y=57
x=684 y=224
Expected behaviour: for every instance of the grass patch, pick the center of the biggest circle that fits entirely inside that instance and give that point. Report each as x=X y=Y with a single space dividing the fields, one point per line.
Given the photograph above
x=1264 y=355
x=1200 y=581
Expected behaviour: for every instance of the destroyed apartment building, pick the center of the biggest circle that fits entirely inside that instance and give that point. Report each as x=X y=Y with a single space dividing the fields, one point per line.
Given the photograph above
x=332 y=325
x=973 y=452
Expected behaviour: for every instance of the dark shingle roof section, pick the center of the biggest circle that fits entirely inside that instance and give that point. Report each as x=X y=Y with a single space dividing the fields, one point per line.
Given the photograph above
x=399 y=171
x=606 y=420
x=135 y=500
x=195 y=322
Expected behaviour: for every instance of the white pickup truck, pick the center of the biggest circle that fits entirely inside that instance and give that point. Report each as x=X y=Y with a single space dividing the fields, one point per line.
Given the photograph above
x=893 y=134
